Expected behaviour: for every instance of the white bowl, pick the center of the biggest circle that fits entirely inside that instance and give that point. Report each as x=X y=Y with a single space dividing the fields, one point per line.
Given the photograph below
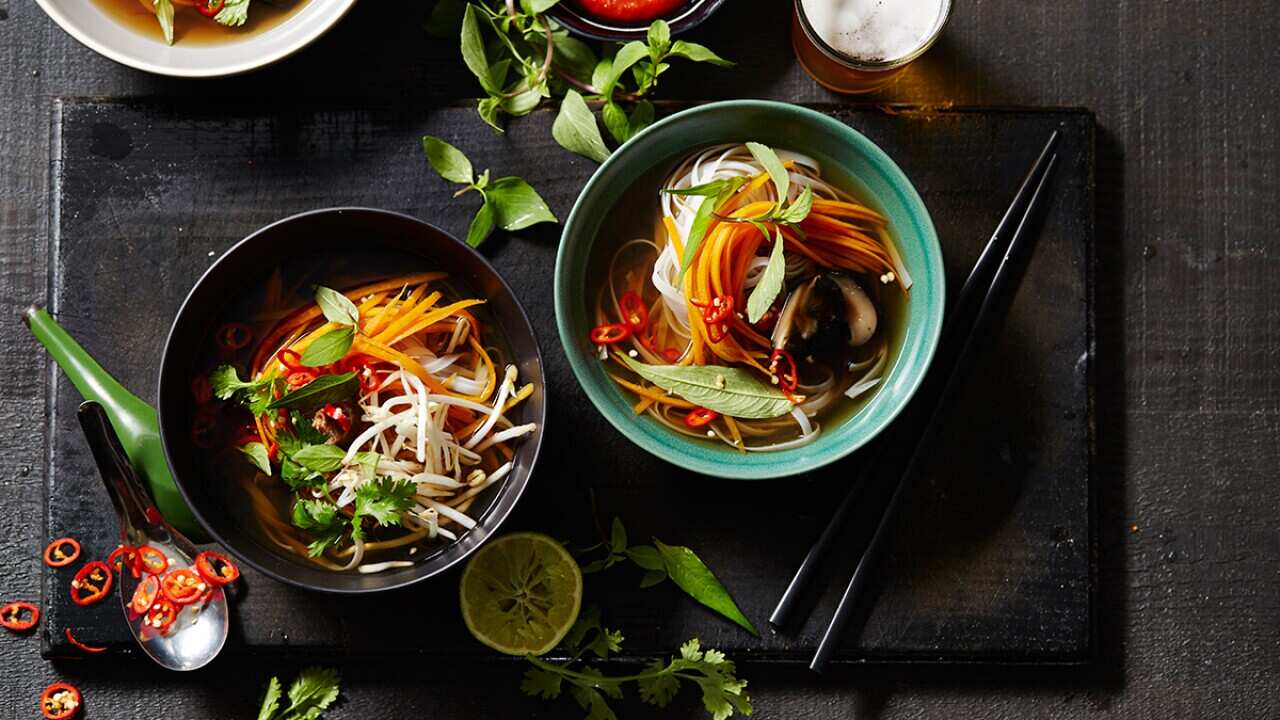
x=88 y=23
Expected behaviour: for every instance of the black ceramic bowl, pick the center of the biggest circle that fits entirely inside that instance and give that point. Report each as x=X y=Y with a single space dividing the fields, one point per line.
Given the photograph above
x=335 y=233
x=580 y=22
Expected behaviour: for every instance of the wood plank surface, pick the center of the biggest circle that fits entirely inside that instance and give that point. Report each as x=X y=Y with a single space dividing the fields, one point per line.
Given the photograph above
x=1188 y=395
x=992 y=562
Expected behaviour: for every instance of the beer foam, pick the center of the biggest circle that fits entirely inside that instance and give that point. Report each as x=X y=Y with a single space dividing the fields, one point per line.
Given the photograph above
x=874 y=30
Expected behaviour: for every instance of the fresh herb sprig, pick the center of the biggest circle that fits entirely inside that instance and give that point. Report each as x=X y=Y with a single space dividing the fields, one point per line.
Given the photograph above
x=382 y=502
x=508 y=202
x=310 y=694
x=233 y=13
x=723 y=693
x=660 y=562
x=522 y=58
x=335 y=344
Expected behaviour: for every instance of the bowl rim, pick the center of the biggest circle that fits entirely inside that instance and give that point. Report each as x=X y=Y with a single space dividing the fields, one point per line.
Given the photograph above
x=51 y=8
x=514 y=493
x=581 y=23
x=674 y=454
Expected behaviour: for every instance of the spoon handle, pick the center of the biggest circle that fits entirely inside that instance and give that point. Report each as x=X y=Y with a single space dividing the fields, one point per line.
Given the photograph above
x=139 y=517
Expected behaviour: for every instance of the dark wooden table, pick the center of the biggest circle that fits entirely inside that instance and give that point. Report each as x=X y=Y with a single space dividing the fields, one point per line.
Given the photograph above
x=1188 y=397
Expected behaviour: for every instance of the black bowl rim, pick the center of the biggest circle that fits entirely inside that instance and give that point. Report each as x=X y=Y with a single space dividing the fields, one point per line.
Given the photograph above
x=581 y=24
x=512 y=494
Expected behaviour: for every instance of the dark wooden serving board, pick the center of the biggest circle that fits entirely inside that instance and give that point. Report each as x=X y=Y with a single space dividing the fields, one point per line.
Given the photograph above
x=992 y=562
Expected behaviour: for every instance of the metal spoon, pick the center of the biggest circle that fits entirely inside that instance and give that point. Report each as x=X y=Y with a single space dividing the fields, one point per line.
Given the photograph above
x=200 y=630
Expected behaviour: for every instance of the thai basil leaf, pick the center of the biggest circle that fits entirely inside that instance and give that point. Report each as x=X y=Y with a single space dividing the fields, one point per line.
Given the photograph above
x=693 y=576
x=659 y=39
x=320 y=458
x=448 y=161
x=696 y=53
x=323 y=390
x=797 y=211
x=516 y=205
x=702 y=221
x=574 y=56
x=770 y=283
x=710 y=189
x=337 y=308
x=628 y=55
x=615 y=119
x=473 y=49
x=726 y=390
x=576 y=130
x=481 y=225
x=257 y=454
x=773 y=165
x=329 y=347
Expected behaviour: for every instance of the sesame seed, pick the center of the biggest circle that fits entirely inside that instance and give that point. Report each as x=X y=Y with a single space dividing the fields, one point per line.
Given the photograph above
x=633 y=353
x=711 y=433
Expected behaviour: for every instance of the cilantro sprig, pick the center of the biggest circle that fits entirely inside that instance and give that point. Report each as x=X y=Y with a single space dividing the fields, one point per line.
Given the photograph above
x=381 y=501
x=310 y=694
x=508 y=202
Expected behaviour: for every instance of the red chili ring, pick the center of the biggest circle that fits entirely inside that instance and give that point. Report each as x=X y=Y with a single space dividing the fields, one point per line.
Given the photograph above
x=301 y=377
x=229 y=573
x=610 y=333
x=122 y=555
x=55 y=558
x=11 y=616
x=700 y=417
x=291 y=359
x=234 y=336
x=153 y=560
x=635 y=314
x=210 y=7
x=81 y=581
x=145 y=594
x=60 y=701
x=183 y=587
x=161 y=615
x=87 y=648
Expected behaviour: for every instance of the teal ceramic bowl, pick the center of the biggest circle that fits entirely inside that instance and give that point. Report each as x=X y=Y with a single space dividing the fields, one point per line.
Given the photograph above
x=848 y=158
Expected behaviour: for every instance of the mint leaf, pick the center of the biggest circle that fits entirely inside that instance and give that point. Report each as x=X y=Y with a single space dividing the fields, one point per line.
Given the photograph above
x=770 y=283
x=337 y=308
x=576 y=130
x=516 y=205
x=257 y=454
x=321 y=391
x=234 y=13
x=329 y=347
x=693 y=576
x=271 y=700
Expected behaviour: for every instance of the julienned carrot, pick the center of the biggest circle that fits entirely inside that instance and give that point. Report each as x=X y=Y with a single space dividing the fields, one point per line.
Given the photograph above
x=491 y=377
x=408 y=316
x=658 y=397
x=391 y=355
x=433 y=317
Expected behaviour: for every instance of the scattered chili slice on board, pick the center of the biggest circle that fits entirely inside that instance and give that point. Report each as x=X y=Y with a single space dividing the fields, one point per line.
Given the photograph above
x=161 y=616
x=152 y=560
x=60 y=701
x=124 y=556
x=216 y=568
x=11 y=616
x=183 y=587
x=700 y=417
x=145 y=594
x=610 y=333
x=91 y=583
x=87 y=648
x=61 y=552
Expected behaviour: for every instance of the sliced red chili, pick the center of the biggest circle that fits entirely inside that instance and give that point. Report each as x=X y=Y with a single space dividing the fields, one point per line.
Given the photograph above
x=200 y=389
x=60 y=701
x=91 y=583
x=19 y=616
x=700 y=417
x=717 y=332
x=87 y=648
x=610 y=333
x=716 y=311
x=635 y=314
x=786 y=375
x=672 y=355
x=124 y=556
x=234 y=336
x=339 y=416
x=145 y=594
x=61 y=552
x=300 y=378
x=216 y=568
x=291 y=359
x=209 y=8
x=152 y=560
x=161 y=615
x=183 y=587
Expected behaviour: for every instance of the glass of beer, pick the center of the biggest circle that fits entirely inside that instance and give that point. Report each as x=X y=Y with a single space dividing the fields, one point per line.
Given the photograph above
x=858 y=46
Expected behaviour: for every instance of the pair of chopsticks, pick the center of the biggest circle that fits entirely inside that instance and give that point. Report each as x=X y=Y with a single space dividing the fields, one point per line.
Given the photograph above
x=981 y=304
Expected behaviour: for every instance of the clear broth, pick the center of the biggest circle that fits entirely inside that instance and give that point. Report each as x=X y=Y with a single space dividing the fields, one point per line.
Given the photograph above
x=192 y=28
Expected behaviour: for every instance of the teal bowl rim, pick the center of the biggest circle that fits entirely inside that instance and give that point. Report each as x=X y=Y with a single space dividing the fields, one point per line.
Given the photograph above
x=785 y=463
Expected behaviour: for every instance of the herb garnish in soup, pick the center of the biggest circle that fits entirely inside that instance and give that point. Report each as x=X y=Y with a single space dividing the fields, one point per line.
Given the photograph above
x=200 y=21
x=761 y=306
x=368 y=422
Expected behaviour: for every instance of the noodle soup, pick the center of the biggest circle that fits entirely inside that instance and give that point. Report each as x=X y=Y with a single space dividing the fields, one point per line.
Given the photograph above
x=190 y=26
x=747 y=312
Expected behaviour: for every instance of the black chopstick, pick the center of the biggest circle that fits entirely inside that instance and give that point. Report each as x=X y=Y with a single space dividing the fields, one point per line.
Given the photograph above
x=960 y=315
x=989 y=313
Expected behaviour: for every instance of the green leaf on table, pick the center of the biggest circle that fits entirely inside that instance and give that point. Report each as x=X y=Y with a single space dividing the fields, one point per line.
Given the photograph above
x=473 y=49
x=576 y=130
x=271 y=700
x=323 y=390
x=314 y=690
x=516 y=205
x=234 y=13
x=257 y=454
x=770 y=283
x=537 y=7
x=574 y=57
x=481 y=225
x=727 y=390
x=337 y=308
x=448 y=161
x=628 y=55
x=693 y=576
x=697 y=53
x=319 y=458
x=773 y=165
x=329 y=347
x=652 y=577
x=488 y=109
x=646 y=557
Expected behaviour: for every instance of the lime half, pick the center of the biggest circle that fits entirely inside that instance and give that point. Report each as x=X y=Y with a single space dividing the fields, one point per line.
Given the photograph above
x=521 y=593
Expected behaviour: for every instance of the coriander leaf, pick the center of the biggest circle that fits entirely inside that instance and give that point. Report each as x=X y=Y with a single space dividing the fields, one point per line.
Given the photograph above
x=314 y=690
x=646 y=557
x=323 y=390
x=615 y=120
x=541 y=683
x=652 y=577
x=383 y=502
x=298 y=477
x=516 y=205
x=164 y=14
x=661 y=687
x=323 y=521
x=256 y=395
x=773 y=165
x=770 y=282
x=329 y=347
x=306 y=432
x=257 y=454
x=697 y=53
x=481 y=225
x=337 y=308
x=473 y=49
x=593 y=702
x=617 y=536
x=271 y=700
x=447 y=160
x=234 y=13
x=319 y=458
x=693 y=576
x=727 y=390
x=799 y=209
x=576 y=130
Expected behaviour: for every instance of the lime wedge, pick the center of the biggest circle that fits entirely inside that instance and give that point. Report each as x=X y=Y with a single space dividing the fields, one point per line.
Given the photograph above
x=521 y=593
